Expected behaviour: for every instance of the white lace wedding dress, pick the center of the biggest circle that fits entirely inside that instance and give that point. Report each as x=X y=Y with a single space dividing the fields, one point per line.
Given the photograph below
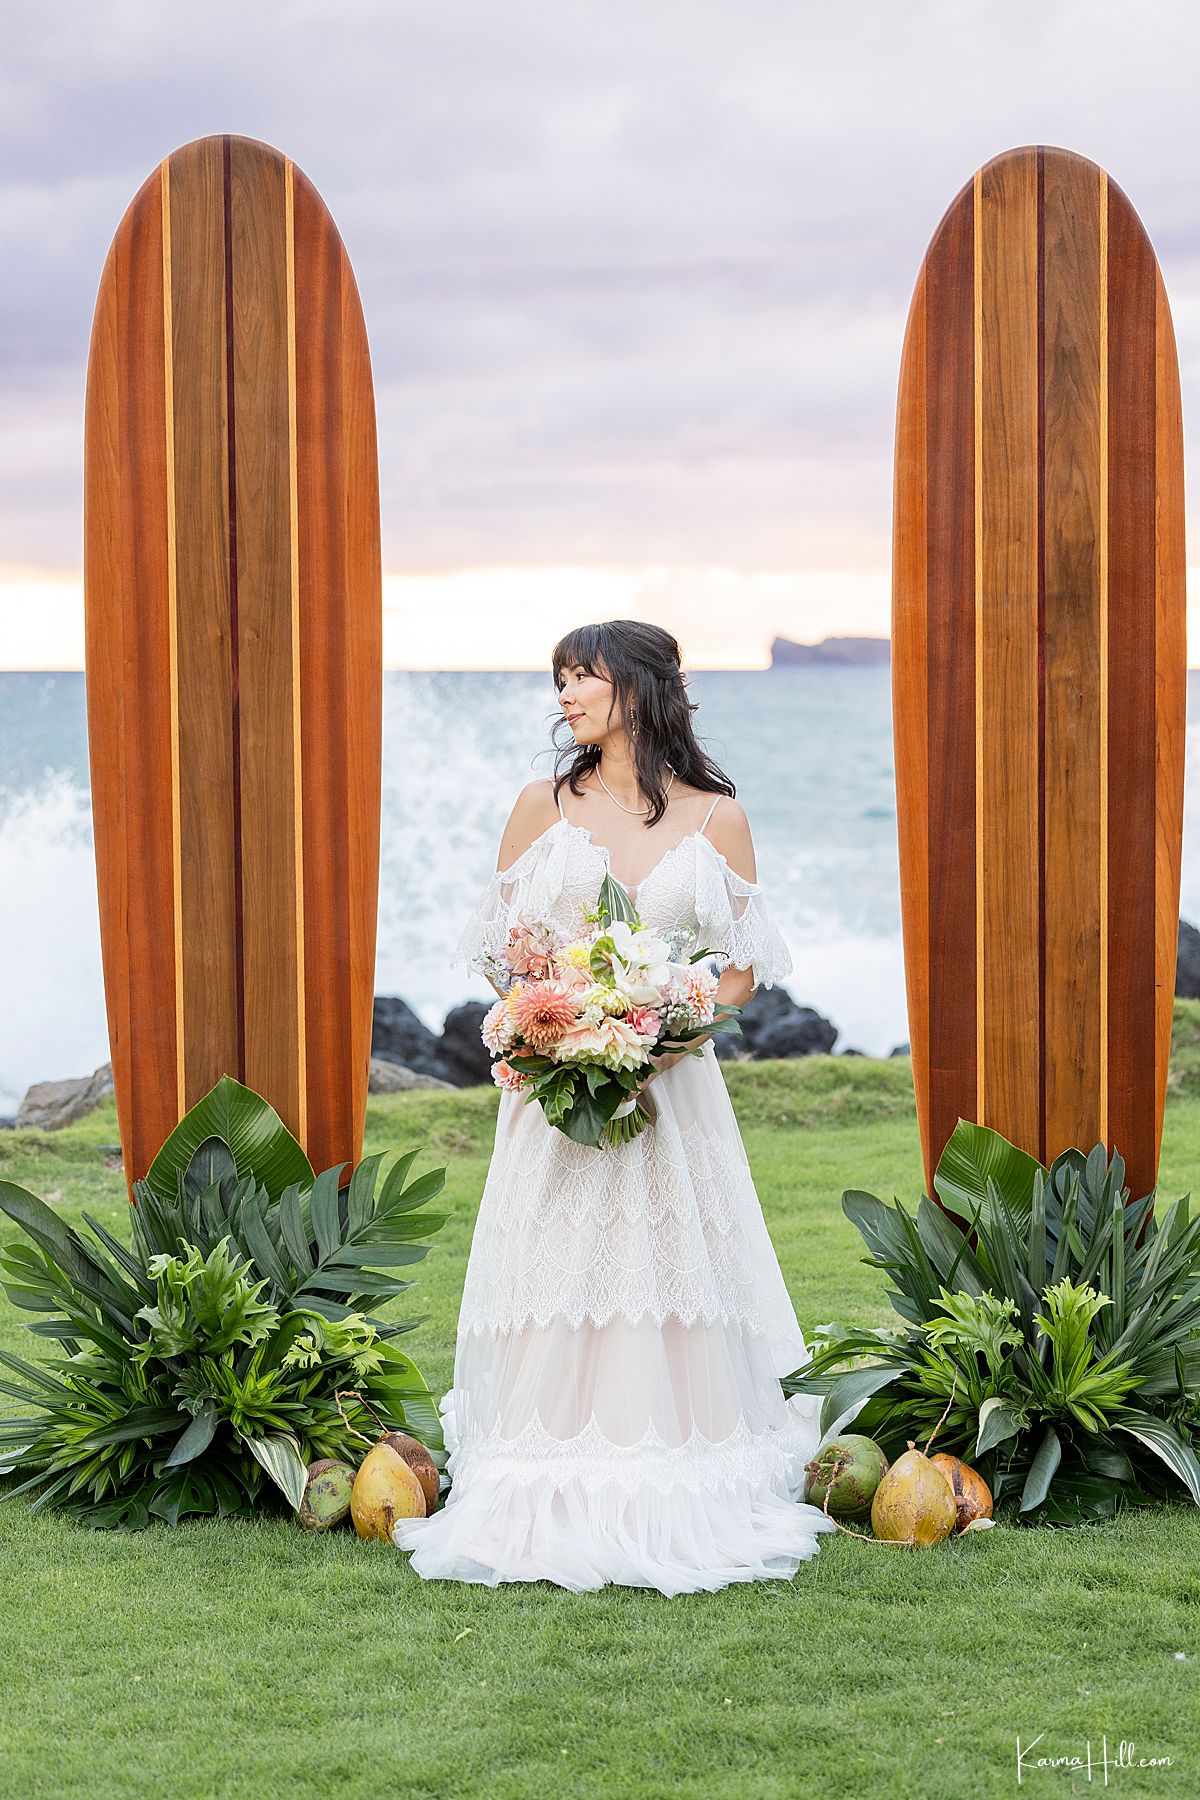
x=616 y=1414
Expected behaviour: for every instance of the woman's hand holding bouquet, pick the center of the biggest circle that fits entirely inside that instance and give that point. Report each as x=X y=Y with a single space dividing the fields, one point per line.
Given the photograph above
x=582 y=1023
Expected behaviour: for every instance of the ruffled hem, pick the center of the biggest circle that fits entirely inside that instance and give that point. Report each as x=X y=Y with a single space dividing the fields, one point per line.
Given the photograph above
x=582 y=1522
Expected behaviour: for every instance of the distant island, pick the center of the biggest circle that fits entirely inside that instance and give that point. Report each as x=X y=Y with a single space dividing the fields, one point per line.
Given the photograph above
x=833 y=652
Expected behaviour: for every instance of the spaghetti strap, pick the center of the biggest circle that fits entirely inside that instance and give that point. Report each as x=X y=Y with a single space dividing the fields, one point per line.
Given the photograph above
x=708 y=815
x=558 y=797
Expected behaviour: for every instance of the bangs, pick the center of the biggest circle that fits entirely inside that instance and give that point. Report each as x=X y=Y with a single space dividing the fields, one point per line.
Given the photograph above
x=578 y=646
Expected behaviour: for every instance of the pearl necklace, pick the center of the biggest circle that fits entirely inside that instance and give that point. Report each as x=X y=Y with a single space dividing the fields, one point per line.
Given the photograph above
x=621 y=803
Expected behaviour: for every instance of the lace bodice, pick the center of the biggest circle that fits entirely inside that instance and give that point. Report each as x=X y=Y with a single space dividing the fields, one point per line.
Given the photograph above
x=691 y=886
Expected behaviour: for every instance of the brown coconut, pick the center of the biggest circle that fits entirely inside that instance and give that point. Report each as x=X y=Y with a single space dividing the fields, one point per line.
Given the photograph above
x=972 y=1495
x=385 y=1489
x=419 y=1461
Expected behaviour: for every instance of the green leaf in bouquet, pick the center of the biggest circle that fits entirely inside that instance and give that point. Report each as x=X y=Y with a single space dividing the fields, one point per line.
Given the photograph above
x=614 y=903
x=589 y=1113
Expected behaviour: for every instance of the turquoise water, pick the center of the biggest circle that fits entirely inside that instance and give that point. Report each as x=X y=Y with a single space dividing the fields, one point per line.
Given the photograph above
x=810 y=752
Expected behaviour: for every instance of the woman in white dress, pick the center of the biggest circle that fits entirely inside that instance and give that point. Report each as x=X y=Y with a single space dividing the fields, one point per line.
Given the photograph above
x=616 y=1414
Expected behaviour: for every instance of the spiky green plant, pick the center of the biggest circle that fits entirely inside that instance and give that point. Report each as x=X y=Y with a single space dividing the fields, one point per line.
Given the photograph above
x=232 y=1341
x=1059 y=1322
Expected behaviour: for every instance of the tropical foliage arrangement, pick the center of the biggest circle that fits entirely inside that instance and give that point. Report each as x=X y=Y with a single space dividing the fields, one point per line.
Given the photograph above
x=231 y=1342
x=1059 y=1323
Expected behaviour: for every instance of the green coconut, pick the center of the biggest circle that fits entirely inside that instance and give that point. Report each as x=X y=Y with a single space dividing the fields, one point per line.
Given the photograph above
x=327 y=1491
x=848 y=1470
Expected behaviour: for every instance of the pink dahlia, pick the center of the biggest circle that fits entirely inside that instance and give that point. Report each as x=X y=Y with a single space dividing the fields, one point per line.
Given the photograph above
x=700 y=988
x=542 y=1012
x=645 y=1021
x=505 y=1076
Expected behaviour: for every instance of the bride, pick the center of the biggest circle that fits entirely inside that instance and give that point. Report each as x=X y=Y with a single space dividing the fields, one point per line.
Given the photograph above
x=616 y=1413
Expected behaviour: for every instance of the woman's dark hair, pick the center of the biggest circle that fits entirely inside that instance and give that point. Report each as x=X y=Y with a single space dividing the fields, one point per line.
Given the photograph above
x=644 y=665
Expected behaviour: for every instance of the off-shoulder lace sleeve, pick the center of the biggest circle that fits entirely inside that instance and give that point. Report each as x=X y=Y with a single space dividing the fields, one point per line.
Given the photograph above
x=735 y=921
x=485 y=931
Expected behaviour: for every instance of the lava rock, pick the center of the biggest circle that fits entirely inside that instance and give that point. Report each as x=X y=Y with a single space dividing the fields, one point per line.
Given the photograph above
x=49 y=1105
x=804 y=1033
x=399 y=1036
x=773 y=1024
x=1187 y=962
x=463 y=1056
x=393 y=1078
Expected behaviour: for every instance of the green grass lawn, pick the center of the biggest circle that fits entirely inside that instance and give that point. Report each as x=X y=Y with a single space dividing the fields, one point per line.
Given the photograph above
x=248 y=1659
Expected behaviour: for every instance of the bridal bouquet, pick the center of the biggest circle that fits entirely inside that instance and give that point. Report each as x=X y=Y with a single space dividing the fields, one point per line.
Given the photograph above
x=580 y=1018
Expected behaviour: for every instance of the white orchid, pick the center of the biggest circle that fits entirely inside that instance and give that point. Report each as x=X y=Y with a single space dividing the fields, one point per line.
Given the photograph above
x=641 y=963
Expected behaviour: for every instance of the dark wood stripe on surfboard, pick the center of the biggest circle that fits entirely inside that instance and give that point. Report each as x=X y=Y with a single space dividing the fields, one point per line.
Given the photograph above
x=1007 y=603
x=950 y=575
x=1131 y=679
x=1071 y=558
x=208 y=864
x=259 y=303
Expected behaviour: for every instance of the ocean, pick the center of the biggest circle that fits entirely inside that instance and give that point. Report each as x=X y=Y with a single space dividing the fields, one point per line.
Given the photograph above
x=808 y=749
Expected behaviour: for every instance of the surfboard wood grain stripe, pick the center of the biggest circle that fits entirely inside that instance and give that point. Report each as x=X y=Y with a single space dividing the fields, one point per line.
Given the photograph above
x=1071 y=786
x=1170 y=667
x=260 y=298
x=1132 y=449
x=948 y=486
x=910 y=704
x=201 y=482
x=130 y=732
x=244 y=564
x=1041 y=910
x=1006 y=650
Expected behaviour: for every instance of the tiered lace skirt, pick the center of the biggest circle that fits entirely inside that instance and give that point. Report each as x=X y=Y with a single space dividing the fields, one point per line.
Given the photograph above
x=616 y=1414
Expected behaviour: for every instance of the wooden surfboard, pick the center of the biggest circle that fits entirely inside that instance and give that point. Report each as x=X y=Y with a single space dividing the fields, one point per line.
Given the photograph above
x=1039 y=666
x=233 y=603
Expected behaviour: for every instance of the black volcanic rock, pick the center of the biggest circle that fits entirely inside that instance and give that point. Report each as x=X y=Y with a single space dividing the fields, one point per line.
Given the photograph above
x=773 y=1024
x=465 y=1058
x=804 y=1033
x=399 y=1036
x=1187 y=962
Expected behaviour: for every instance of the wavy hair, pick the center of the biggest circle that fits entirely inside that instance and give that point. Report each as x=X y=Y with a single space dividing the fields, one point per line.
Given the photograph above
x=644 y=665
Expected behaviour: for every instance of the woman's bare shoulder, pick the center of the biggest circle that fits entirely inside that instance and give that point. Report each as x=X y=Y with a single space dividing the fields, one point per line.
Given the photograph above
x=534 y=811
x=729 y=831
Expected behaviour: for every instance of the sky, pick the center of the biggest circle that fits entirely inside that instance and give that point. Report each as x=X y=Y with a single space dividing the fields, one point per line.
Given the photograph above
x=635 y=276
